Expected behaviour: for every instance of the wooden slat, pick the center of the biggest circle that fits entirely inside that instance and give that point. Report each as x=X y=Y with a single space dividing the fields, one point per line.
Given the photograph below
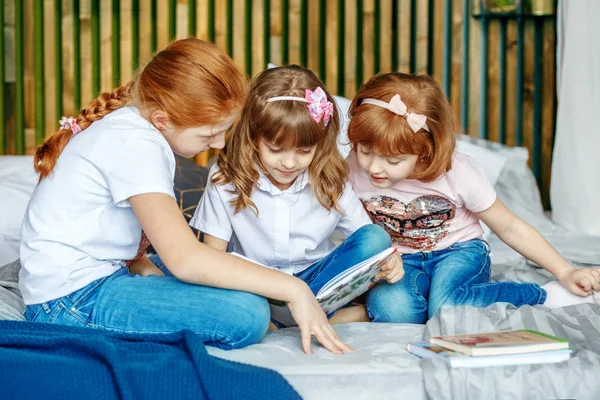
x=202 y=19
x=50 y=123
x=368 y=34
x=145 y=32
x=385 y=32
x=85 y=33
x=421 y=43
x=493 y=73
x=275 y=56
x=474 y=78
x=106 y=84
x=313 y=35
x=162 y=24
x=511 y=80
x=465 y=71
x=548 y=110
x=438 y=40
x=220 y=23
x=181 y=19
x=67 y=55
x=350 y=49
x=38 y=58
x=456 y=59
x=294 y=31
x=239 y=48
x=258 y=32
x=331 y=47
x=528 y=89
x=28 y=79
x=404 y=35
x=127 y=39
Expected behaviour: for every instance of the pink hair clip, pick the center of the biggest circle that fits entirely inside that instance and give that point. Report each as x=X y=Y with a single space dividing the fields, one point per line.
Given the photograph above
x=70 y=123
x=318 y=104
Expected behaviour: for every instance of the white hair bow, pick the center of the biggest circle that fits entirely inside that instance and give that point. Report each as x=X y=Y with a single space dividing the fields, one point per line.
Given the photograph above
x=397 y=106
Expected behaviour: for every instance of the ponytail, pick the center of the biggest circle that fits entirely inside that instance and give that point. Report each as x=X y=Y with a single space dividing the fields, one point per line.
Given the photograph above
x=47 y=154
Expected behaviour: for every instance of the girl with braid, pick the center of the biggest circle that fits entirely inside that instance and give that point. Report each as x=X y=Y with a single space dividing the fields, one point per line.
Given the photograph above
x=107 y=175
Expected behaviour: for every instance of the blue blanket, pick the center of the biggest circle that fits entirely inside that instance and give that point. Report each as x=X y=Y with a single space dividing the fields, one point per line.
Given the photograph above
x=45 y=361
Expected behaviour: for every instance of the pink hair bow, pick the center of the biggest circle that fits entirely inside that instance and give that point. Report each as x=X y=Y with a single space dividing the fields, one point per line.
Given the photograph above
x=397 y=106
x=318 y=105
x=70 y=123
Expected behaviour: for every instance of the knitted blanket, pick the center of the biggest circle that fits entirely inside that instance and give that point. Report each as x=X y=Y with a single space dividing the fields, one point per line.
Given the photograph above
x=48 y=361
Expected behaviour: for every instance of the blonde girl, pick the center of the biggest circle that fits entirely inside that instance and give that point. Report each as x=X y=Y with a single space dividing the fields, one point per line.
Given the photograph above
x=279 y=187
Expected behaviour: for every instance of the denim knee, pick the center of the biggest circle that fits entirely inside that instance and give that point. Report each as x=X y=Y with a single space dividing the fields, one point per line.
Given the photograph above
x=248 y=319
x=396 y=303
x=371 y=240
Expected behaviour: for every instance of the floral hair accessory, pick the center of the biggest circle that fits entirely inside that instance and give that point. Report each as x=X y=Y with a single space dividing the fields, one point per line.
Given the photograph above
x=397 y=106
x=70 y=123
x=318 y=104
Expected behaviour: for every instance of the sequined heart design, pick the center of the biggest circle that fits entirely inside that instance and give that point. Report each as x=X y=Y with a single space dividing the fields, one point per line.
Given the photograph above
x=420 y=224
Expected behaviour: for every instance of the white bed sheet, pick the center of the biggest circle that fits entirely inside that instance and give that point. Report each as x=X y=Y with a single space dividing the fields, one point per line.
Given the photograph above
x=380 y=368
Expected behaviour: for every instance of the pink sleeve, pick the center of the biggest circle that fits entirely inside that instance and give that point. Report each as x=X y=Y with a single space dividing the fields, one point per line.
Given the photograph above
x=475 y=189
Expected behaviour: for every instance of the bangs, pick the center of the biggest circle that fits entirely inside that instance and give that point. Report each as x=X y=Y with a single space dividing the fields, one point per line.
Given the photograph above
x=288 y=124
x=385 y=132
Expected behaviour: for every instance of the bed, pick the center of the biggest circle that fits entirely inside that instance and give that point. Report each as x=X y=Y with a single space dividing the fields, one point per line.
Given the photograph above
x=380 y=367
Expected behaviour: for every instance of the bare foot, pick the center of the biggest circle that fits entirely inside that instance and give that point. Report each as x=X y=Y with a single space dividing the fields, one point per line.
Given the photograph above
x=356 y=313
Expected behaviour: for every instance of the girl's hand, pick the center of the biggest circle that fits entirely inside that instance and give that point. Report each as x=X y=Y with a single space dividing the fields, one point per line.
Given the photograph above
x=313 y=322
x=144 y=267
x=393 y=271
x=582 y=281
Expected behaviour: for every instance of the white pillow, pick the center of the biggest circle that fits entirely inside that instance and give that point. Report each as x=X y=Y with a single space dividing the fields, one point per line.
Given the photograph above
x=17 y=181
x=492 y=162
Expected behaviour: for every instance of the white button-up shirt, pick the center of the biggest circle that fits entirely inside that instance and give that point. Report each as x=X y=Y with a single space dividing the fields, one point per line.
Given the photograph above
x=292 y=230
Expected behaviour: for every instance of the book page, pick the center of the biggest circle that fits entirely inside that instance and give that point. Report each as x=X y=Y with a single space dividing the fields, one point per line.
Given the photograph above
x=339 y=292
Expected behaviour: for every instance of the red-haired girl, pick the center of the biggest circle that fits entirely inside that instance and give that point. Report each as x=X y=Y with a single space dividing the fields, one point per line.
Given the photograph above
x=430 y=199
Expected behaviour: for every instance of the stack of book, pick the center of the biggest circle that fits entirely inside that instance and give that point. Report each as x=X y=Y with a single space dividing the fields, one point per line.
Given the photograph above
x=494 y=348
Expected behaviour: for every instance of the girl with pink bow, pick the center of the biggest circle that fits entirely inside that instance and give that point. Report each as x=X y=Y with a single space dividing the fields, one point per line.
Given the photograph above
x=279 y=190
x=430 y=199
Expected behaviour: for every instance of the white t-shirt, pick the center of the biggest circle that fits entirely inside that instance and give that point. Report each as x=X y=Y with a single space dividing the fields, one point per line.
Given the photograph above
x=292 y=230
x=426 y=216
x=79 y=225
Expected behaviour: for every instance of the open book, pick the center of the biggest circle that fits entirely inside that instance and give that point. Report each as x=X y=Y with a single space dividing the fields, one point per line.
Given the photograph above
x=501 y=342
x=340 y=290
x=459 y=360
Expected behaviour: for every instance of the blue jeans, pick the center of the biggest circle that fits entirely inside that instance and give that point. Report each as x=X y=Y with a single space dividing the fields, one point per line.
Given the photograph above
x=363 y=244
x=458 y=275
x=160 y=304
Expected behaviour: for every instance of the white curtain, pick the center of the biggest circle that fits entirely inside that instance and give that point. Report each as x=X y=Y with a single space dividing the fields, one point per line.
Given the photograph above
x=575 y=185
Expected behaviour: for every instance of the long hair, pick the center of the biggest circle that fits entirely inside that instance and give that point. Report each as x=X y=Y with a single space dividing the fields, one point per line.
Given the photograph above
x=390 y=134
x=287 y=124
x=192 y=81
